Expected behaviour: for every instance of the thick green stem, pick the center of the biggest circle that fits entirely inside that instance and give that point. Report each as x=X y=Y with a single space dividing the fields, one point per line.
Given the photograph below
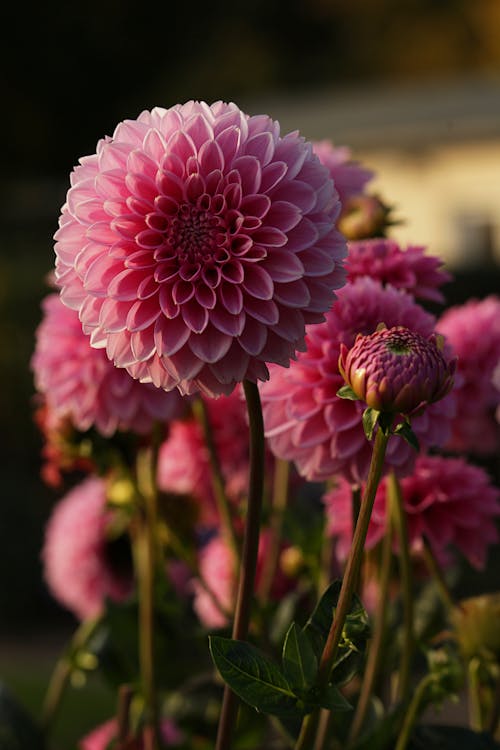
x=218 y=483
x=396 y=508
x=280 y=499
x=249 y=554
x=411 y=715
x=62 y=672
x=348 y=582
x=146 y=568
x=375 y=649
x=437 y=573
x=474 y=689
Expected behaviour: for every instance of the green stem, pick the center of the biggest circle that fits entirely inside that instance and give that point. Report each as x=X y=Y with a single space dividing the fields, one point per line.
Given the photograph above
x=349 y=580
x=218 y=483
x=474 y=687
x=437 y=573
x=146 y=569
x=375 y=651
x=125 y=695
x=412 y=713
x=396 y=508
x=280 y=499
x=249 y=554
x=62 y=672
x=356 y=507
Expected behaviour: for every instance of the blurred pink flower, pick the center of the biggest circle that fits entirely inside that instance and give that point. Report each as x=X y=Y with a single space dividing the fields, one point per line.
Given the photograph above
x=218 y=574
x=452 y=503
x=473 y=329
x=78 y=563
x=184 y=462
x=383 y=259
x=306 y=422
x=80 y=384
x=101 y=736
x=348 y=176
x=197 y=243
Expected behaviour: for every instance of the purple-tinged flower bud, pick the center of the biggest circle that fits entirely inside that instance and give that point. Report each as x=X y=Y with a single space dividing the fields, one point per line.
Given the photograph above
x=396 y=370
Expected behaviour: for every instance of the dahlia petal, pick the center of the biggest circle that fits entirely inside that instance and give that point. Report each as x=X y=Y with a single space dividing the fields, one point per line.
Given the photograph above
x=229 y=141
x=205 y=296
x=303 y=236
x=170 y=336
x=139 y=162
x=211 y=346
x=261 y=146
x=290 y=326
x=316 y=261
x=257 y=281
x=89 y=211
x=283 y=215
x=110 y=185
x=253 y=339
x=265 y=311
x=199 y=129
x=272 y=175
x=210 y=157
x=293 y=152
x=301 y=194
x=269 y=237
x=250 y=171
x=124 y=285
x=183 y=365
x=113 y=156
x=138 y=185
x=142 y=314
x=135 y=205
x=142 y=344
x=101 y=232
x=195 y=317
x=233 y=272
x=140 y=259
x=100 y=274
x=239 y=360
x=283 y=267
x=292 y=294
x=125 y=226
x=182 y=291
x=229 y=323
x=170 y=185
x=231 y=297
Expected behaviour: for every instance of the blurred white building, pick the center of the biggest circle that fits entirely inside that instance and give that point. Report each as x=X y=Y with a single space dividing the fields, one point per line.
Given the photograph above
x=435 y=149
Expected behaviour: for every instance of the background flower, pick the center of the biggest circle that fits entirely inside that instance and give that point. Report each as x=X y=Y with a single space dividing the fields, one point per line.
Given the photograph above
x=197 y=243
x=473 y=329
x=306 y=421
x=79 y=566
x=349 y=177
x=81 y=385
x=410 y=269
x=101 y=736
x=450 y=502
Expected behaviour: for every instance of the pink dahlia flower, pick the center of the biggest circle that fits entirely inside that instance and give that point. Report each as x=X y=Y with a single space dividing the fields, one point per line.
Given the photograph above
x=396 y=370
x=473 y=329
x=81 y=385
x=348 y=176
x=79 y=565
x=184 y=461
x=306 y=422
x=217 y=571
x=382 y=259
x=101 y=737
x=197 y=243
x=451 y=503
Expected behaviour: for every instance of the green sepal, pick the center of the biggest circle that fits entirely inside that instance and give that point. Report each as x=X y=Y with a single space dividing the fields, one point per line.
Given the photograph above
x=254 y=677
x=300 y=664
x=403 y=429
x=370 y=419
x=346 y=392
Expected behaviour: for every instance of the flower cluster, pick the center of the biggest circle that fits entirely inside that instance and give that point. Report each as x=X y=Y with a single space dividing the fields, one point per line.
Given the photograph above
x=447 y=501
x=197 y=243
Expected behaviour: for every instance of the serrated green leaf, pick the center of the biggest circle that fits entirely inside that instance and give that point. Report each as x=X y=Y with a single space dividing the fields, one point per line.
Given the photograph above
x=300 y=664
x=332 y=699
x=346 y=392
x=370 y=419
x=254 y=677
x=404 y=430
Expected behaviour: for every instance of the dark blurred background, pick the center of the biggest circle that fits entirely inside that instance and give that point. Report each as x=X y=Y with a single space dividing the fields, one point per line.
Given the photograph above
x=413 y=87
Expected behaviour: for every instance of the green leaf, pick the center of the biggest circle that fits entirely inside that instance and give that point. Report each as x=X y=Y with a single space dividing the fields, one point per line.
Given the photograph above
x=370 y=419
x=333 y=699
x=300 y=664
x=347 y=392
x=404 y=430
x=254 y=677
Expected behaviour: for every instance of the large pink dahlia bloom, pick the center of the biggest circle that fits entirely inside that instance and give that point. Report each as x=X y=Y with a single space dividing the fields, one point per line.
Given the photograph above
x=79 y=566
x=79 y=383
x=411 y=269
x=473 y=329
x=197 y=243
x=450 y=502
x=184 y=460
x=306 y=422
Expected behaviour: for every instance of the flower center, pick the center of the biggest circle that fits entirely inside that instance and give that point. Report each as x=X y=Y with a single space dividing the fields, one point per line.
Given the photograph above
x=398 y=345
x=194 y=233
